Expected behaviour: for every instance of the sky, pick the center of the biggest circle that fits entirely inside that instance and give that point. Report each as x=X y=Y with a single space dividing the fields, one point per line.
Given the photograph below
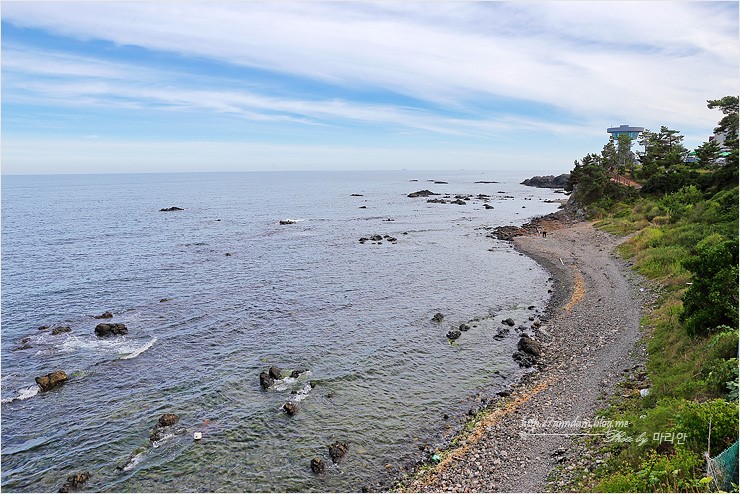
x=140 y=86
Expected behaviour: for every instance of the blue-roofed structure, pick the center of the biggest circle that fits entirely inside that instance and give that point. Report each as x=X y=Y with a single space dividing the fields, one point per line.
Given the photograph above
x=633 y=132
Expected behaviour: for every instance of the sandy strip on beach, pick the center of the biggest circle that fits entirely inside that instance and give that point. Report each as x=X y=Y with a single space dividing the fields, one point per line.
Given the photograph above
x=589 y=339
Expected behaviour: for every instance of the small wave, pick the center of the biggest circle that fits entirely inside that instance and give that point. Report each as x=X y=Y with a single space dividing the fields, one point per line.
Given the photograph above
x=23 y=394
x=138 y=351
x=164 y=438
x=134 y=460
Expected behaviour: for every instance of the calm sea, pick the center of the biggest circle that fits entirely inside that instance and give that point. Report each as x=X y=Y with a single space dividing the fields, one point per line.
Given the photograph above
x=305 y=295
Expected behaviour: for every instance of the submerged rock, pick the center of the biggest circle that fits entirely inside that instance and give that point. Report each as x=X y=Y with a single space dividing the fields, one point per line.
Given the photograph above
x=60 y=330
x=287 y=222
x=317 y=465
x=51 y=380
x=42 y=328
x=296 y=373
x=172 y=208
x=75 y=481
x=508 y=321
x=265 y=380
x=105 y=329
x=104 y=315
x=488 y=206
x=436 y=201
x=337 y=451
x=464 y=327
x=290 y=408
x=459 y=202
x=438 y=317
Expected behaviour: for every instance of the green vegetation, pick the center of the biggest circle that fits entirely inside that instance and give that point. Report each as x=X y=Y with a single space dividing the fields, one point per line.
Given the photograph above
x=684 y=226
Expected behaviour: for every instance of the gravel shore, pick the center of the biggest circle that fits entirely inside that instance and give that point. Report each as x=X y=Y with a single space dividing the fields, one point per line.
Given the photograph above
x=589 y=338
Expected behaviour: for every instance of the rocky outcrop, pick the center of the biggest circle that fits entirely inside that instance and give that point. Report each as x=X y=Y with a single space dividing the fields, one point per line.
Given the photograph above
x=530 y=346
x=168 y=419
x=104 y=315
x=60 y=330
x=163 y=426
x=317 y=465
x=548 y=181
x=337 y=451
x=422 y=193
x=51 y=380
x=438 y=317
x=508 y=321
x=453 y=334
x=75 y=481
x=172 y=208
x=488 y=206
x=265 y=380
x=290 y=408
x=105 y=330
x=287 y=222
x=436 y=200
x=275 y=372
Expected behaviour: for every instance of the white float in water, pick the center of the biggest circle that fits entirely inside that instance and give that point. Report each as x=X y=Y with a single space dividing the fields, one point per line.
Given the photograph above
x=197 y=436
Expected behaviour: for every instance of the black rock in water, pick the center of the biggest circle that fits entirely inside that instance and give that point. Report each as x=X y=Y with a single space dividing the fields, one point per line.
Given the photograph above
x=168 y=419
x=337 y=451
x=422 y=193
x=290 y=408
x=275 y=372
x=265 y=380
x=548 y=181
x=60 y=330
x=454 y=334
x=173 y=208
x=105 y=329
x=317 y=465
x=104 y=315
x=438 y=317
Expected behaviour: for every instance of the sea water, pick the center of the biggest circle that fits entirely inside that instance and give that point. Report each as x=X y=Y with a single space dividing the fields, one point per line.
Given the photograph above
x=218 y=292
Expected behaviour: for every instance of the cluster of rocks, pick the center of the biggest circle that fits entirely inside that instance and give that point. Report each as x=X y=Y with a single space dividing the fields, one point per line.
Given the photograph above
x=508 y=232
x=75 y=481
x=275 y=373
x=548 y=181
x=337 y=450
x=163 y=427
x=377 y=239
x=287 y=222
x=105 y=330
x=172 y=208
x=104 y=315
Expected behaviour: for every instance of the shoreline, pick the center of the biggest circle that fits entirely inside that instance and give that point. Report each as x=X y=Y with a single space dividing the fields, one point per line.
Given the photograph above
x=589 y=335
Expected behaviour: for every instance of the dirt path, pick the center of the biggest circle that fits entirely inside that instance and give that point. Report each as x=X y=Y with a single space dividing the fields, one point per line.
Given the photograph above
x=588 y=341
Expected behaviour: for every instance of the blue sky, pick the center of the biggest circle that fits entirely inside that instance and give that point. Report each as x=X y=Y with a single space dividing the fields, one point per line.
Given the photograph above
x=180 y=86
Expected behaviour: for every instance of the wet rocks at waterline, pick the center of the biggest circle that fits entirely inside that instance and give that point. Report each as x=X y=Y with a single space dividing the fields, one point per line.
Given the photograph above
x=51 y=380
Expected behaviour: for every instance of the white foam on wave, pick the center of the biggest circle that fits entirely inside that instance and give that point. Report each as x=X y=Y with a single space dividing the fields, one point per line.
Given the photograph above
x=138 y=351
x=302 y=393
x=23 y=394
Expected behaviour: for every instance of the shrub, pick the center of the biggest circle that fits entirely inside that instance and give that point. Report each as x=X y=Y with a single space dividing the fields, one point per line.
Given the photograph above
x=693 y=419
x=712 y=299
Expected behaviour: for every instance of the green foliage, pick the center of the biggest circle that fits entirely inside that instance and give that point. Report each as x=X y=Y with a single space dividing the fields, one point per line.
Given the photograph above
x=707 y=155
x=693 y=419
x=658 y=473
x=712 y=299
x=718 y=374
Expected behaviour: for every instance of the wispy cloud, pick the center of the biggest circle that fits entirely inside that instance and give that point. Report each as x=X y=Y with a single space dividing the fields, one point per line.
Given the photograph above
x=468 y=69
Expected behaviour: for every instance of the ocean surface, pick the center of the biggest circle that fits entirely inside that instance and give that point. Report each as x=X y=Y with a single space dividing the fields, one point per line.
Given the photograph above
x=242 y=293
